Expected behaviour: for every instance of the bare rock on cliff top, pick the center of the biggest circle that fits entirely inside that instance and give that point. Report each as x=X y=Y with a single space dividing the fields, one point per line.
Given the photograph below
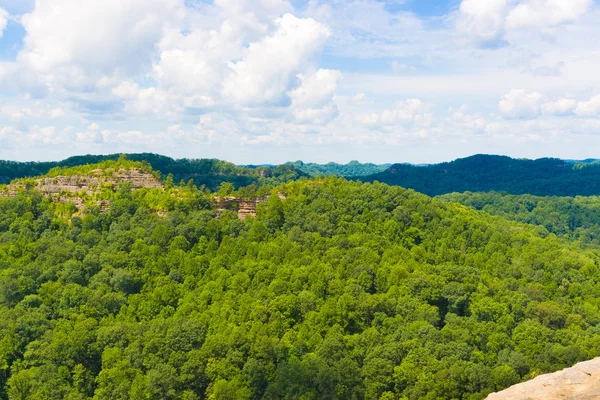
x=580 y=382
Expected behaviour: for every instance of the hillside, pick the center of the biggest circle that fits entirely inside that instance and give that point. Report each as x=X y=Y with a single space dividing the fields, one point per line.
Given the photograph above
x=352 y=169
x=574 y=218
x=208 y=172
x=335 y=289
x=483 y=173
x=480 y=173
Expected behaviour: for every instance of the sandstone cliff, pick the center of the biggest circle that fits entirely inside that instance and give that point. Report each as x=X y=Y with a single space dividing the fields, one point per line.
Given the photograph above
x=71 y=188
x=580 y=382
x=245 y=207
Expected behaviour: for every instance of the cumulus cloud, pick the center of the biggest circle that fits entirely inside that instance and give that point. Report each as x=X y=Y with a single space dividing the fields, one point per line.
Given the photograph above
x=71 y=42
x=408 y=113
x=312 y=101
x=127 y=58
x=483 y=19
x=3 y=20
x=489 y=20
x=562 y=106
x=542 y=13
x=250 y=72
x=589 y=108
x=519 y=104
x=267 y=70
x=474 y=122
x=142 y=101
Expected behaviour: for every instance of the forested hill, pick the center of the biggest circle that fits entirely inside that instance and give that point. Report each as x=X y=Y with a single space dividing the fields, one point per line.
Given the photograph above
x=479 y=173
x=352 y=169
x=482 y=173
x=574 y=218
x=208 y=172
x=335 y=290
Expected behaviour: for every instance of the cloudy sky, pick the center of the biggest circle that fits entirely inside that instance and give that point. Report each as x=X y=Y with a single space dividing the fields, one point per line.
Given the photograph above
x=268 y=81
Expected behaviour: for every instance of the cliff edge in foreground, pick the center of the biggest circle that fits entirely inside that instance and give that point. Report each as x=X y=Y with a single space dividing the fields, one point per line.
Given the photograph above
x=580 y=382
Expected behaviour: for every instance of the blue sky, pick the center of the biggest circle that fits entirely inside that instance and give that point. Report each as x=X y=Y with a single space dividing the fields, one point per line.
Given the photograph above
x=268 y=81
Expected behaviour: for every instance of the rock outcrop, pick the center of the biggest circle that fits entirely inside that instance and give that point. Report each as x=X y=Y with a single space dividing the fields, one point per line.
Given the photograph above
x=245 y=207
x=580 y=382
x=95 y=180
x=71 y=188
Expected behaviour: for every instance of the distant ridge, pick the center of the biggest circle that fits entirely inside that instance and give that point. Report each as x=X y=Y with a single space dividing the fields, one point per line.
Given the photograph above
x=483 y=173
x=586 y=161
x=478 y=173
x=352 y=169
x=208 y=172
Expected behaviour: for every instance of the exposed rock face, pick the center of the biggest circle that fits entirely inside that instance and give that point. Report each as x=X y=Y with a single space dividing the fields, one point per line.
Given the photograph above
x=95 y=180
x=580 y=382
x=244 y=207
x=58 y=186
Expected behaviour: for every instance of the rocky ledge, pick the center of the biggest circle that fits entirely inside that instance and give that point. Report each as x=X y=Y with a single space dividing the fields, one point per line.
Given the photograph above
x=245 y=207
x=580 y=382
x=69 y=188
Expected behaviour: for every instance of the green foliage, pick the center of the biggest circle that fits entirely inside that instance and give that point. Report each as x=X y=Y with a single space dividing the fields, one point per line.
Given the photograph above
x=107 y=167
x=340 y=290
x=573 y=218
x=204 y=172
x=352 y=169
x=483 y=173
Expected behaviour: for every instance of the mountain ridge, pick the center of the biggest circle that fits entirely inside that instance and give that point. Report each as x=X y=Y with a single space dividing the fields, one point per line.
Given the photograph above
x=483 y=173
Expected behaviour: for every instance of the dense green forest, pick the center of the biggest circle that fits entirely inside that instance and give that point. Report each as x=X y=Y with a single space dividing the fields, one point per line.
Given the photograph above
x=336 y=290
x=574 y=218
x=480 y=173
x=483 y=173
x=208 y=172
x=352 y=169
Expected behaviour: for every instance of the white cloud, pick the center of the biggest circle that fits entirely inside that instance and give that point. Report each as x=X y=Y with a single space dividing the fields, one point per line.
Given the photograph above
x=73 y=42
x=312 y=101
x=193 y=65
x=483 y=19
x=91 y=135
x=57 y=113
x=248 y=73
x=562 y=106
x=267 y=70
x=143 y=101
x=589 y=108
x=251 y=56
x=261 y=10
x=490 y=20
x=472 y=122
x=399 y=67
x=3 y=20
x=411 y=113
x=40 y=136
x=543 y=13
x=359 y=98
x=202 y=69
x=519 y=104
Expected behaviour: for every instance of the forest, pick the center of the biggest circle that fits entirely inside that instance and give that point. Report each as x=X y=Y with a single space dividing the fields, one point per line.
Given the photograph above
x=479 y=173
x=351 y=169
x=208 y=172
x=484 y=173
x=573 y=218
x=336 y=289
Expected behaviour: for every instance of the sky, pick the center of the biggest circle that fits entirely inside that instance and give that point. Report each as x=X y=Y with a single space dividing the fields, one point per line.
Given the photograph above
x=270 y=81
